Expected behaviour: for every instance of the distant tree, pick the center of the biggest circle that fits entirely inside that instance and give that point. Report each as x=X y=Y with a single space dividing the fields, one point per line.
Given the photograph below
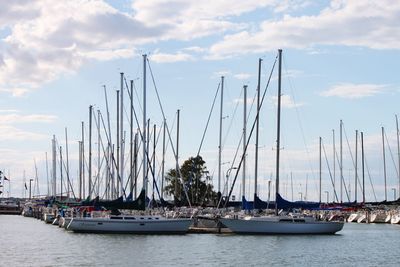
x=198 y=183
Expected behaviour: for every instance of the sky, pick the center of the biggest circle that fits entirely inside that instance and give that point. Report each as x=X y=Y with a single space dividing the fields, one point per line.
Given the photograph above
x=340 y=62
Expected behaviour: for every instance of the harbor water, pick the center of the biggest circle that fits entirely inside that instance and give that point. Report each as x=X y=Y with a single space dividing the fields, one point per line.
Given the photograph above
x=30 y=242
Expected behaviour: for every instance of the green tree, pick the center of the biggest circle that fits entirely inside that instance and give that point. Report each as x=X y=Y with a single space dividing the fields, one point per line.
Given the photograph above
x=198 y=183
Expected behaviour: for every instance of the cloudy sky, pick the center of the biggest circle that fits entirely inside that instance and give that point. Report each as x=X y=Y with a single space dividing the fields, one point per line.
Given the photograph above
x=340 y=62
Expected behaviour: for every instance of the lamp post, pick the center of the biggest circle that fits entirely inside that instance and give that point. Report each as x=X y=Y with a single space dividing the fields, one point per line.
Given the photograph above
x=394 y=193
x=327 y=196
x=30 y=188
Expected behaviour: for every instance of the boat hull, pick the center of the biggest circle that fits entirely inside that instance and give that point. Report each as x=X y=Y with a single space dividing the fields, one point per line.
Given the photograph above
x=242 y=226
x=145 y=226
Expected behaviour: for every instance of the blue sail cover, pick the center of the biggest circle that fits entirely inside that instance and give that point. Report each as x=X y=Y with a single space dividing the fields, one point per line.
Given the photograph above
x=261 y=204
x=284 y=204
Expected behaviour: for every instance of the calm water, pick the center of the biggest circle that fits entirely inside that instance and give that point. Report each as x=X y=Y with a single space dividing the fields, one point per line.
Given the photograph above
x=29 y=242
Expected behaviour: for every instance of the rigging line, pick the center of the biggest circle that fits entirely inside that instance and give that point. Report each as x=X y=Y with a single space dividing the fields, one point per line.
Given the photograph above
x=169 y=134
x=104 y=151
x=66 y=171
x=391 y=155
x=370 y=179
x=231 y=122
x=342 y=178
x=208 y=120
x=351 y=154
x=330 y=173
x=251 y=133
x=299 y=119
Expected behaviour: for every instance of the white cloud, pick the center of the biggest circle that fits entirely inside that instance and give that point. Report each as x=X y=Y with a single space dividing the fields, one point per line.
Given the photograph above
x=242 y=76
x=372 y=24
x=354 y=90
x=10 y=133
x=168 y=58
x=286 y=102
x=61 y=36
x=16 y=118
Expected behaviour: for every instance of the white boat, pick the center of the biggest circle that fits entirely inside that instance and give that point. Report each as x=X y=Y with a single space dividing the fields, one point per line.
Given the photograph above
x=281 y=225
x=353 y=217
x=138 y=224
x=395 y=218
x=378 y=217
x=362 y=219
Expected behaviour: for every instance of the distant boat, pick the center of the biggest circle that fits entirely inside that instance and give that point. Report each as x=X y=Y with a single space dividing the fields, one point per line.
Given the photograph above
x=280 y=224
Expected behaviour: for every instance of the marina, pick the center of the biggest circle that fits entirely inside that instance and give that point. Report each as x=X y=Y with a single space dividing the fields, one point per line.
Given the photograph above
x=198 y=133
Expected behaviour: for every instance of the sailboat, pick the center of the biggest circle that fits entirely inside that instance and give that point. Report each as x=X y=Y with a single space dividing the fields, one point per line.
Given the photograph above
x=136 y=224
x=278 y=223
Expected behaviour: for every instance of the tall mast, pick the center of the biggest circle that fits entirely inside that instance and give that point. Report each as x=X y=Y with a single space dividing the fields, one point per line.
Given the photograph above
x=66 y=155
x=177 y=193
x=80 y=170
x=356 y=169
x=220 y=135
x=320 y=169
x=144 y=126
x=54 y=168
x=334 y=160
x=363 y=170
x=121 y=174
x=83 y=160
x=90 y=151
x=163 y=160
x=61 y=175
x=47 y=175
x=118 y=144
x=398 y=151
x=257 y=127
x=244 y=139
x=135 y=158
x=384 y=161
x=131 y=141
x=98 y=151
x=278 y=130
x=341 y=161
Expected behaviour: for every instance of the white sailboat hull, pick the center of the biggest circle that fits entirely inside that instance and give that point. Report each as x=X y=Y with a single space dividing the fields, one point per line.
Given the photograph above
x=275 y=226
x=139 y=225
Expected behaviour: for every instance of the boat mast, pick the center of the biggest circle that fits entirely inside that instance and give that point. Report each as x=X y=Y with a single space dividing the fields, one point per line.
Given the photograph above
x=320 y=169
x=341 y=161
x=334 y=161
x=54 y=168
x=144 y=127
x=118 y=145
x=122 y=136
x=220 y=135
x=131 y=140
x=257 y=127
x=47 y=175
x=61 y=175
x=135 y=158
x=83 y=160
x=90 y=151
x=177 y=192
x=66 y=155
x=363 y=170
x=384 y=161
x=278 y=130
x=244 y=139
x=163 y=160
x=356 y=169
x=398 y=150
